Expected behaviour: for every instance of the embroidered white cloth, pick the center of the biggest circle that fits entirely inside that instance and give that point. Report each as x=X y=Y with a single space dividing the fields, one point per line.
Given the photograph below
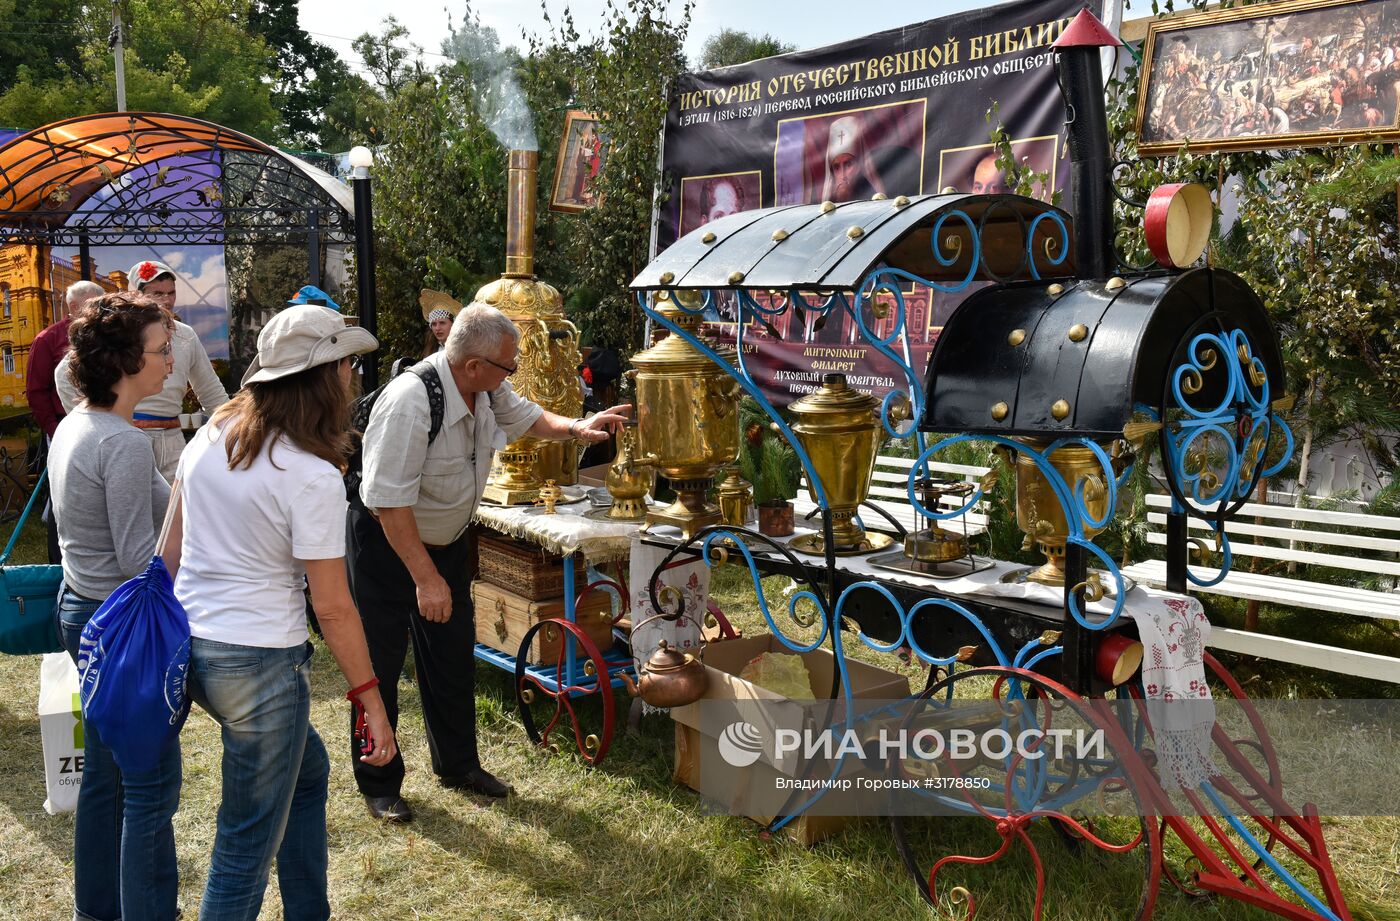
x=690 y=579
x=566 y=531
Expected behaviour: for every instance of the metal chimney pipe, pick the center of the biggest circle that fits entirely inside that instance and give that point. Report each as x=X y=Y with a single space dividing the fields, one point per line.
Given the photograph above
x=1091 y=166
x=524 y=166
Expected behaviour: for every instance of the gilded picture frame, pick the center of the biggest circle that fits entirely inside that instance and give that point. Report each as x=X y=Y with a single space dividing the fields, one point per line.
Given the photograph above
x=1303 y=73
x=583 y=150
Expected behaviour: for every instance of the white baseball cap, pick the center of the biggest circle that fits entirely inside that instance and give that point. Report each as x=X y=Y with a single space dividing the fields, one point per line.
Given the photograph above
x=302 y=337
x=146 y=271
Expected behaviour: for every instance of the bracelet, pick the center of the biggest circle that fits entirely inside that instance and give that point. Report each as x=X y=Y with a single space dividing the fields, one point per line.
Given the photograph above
x=354 y=693
x=572 y=433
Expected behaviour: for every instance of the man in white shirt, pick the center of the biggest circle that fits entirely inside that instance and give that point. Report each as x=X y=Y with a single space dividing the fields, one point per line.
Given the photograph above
x=411 y=557
x=159 y=416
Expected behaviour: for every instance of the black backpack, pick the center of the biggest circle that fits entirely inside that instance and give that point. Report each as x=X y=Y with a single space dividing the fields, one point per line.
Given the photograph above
x=359 y=420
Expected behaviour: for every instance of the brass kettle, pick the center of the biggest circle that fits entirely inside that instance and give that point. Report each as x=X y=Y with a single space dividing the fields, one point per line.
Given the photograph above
x=670 y=678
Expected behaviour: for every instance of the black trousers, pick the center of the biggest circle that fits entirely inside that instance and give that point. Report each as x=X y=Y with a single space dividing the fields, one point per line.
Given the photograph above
x=443 y=653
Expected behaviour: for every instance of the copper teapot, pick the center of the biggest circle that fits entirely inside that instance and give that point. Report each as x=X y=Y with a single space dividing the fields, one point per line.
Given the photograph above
x=670 y=678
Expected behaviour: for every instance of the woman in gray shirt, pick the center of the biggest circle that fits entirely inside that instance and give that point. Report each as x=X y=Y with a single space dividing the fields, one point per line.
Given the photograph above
x=109 y=500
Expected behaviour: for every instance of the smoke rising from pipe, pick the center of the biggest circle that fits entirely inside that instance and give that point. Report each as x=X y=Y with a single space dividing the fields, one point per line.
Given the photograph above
x=496 y=92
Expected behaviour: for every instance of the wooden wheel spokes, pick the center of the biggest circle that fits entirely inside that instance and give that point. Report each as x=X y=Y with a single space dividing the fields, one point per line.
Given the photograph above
x=572 y=678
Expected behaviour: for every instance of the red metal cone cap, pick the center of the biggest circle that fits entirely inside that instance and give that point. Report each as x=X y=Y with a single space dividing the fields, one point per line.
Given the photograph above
x=1086 y=31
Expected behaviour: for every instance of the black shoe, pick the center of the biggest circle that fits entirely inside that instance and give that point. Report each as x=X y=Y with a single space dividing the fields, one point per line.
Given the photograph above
x=389 y=808
x=479 y=782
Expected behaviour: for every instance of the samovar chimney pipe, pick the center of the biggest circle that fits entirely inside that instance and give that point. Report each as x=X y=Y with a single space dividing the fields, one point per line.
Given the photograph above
x=524 y=167
x=1086 y=129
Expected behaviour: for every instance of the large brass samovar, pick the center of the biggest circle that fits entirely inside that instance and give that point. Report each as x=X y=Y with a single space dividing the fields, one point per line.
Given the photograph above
x=547 y=366
x=688 y=419
x=839 y=428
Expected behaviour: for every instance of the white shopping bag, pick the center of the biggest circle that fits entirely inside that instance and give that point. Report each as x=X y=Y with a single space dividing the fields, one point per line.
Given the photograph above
x=61 y=729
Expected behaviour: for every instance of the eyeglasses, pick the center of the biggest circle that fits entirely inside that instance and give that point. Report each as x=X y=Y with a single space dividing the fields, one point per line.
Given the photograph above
x=505 y=368
x=165 y=350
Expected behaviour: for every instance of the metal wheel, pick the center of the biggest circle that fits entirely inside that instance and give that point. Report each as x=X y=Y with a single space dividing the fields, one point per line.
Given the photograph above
x=1027 y=805
x=559 y=704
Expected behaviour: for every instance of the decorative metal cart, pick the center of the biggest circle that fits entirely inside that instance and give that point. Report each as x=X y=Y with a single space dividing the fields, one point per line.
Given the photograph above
x=1067 y=362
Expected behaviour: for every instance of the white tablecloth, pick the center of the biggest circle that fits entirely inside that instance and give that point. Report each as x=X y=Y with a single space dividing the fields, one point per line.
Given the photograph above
x=566 y=531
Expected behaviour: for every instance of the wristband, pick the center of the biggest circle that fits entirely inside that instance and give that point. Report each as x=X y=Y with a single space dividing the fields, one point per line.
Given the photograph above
x=354 y=693
x=572 y=433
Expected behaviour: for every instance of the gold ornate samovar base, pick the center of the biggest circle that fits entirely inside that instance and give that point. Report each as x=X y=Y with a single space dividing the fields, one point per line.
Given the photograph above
x=606 y=513
x=507 y=495
x=815 y=544
x=690 y=512
x=1036 y=574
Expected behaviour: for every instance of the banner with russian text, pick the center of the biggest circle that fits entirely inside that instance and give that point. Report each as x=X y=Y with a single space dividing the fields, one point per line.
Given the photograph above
x=902 y=112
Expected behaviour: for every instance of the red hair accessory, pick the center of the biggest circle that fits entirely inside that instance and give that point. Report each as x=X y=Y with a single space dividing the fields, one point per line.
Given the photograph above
x=588 y=375
x=147 y=271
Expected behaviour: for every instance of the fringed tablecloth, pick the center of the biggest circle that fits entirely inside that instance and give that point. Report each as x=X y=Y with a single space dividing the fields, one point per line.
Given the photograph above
x=566 y=531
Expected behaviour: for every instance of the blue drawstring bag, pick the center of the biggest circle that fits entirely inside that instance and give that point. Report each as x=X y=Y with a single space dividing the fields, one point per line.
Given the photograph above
x=133 y=659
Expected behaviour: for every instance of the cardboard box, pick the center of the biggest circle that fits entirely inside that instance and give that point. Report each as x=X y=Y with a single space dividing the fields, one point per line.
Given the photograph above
x=698 y=728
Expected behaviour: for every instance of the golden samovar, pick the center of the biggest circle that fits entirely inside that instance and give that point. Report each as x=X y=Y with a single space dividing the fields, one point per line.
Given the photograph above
x=839 y=428
x=627 y=482
x=688 y=419
x=547 y=366
x=1042 y=518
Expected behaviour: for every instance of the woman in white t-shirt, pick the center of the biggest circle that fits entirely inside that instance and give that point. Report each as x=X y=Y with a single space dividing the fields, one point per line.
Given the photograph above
x=262 y=506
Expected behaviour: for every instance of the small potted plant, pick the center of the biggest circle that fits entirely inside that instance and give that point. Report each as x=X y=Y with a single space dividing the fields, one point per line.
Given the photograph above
x=770 y=464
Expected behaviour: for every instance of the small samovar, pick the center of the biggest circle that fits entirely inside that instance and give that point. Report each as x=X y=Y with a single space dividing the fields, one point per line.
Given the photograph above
x=1042 y=518
x=547 y=366
x=735 y=498
x=628 y=483
x=839 y=428
x=688 y=418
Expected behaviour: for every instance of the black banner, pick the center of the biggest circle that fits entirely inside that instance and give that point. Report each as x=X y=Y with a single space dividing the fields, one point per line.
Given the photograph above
x=902 y=112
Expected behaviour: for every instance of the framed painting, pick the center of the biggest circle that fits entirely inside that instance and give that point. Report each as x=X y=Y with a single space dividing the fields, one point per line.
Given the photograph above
x=582 y=152
x=1304 y=73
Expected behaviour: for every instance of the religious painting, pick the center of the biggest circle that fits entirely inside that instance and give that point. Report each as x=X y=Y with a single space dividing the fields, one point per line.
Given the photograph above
x=582 y=152
x=1299 y=74
x=851 y=155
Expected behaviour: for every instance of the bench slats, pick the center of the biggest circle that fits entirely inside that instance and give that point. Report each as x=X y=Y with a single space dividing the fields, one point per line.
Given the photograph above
x=1354 y=563
x=1248 y=586
x=1312 y=655
x=1288 y=513
x=1329 y=538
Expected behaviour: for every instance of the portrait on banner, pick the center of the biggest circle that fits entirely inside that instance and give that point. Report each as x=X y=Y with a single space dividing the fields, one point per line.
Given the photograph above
x=1299 y=74
x=975 y=169
x=851 y=155
x=582 y=152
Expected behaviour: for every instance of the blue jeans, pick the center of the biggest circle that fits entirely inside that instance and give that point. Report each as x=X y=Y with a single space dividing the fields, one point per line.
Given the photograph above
x=123 y=844
x=275 y=780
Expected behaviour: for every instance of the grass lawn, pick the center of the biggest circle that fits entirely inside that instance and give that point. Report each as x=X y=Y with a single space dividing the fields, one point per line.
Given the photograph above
x=577 y=843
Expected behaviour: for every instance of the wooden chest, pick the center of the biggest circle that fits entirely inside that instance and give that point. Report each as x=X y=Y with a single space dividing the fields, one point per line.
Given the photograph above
x=524 y=568
x=503 y=617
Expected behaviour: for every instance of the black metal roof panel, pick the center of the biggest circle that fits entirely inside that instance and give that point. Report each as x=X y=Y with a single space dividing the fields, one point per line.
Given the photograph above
x=1018 y=345
x=834 y=247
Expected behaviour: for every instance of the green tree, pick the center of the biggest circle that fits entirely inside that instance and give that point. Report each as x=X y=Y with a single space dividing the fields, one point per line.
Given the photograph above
x=624 y=75
x=732 y=46
x=1315 y=235
x=190 y=57
x=44 y=37
x=312 y=85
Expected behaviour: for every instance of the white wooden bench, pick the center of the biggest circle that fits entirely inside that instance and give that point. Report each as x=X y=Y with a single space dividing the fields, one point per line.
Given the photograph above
x=1285 y=534
x=889 y=490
